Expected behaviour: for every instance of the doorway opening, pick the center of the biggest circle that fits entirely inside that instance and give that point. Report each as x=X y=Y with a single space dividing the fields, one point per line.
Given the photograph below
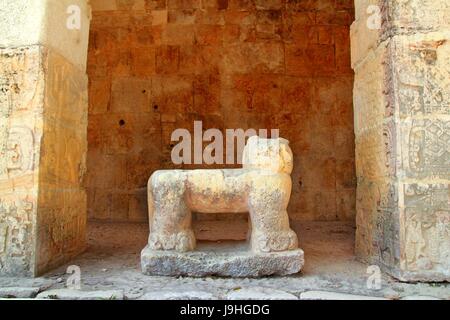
x=153 y=69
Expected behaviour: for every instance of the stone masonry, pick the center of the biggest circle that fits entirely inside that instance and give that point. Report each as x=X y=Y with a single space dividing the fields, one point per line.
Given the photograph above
x=155 y=66
x=43 y=143
x=402 y=126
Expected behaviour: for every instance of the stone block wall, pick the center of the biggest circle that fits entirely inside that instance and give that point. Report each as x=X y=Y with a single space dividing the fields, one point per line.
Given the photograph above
x=43 y=136
x=401 y=97
x=61 y=220
x=155 y=66
x=21 y=99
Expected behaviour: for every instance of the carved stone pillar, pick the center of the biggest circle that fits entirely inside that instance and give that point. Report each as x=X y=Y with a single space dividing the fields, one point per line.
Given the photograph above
x=43 y=120
x=402 y=127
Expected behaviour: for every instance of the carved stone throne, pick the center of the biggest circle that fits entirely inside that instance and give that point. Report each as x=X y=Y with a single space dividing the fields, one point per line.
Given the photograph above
x=262 y=188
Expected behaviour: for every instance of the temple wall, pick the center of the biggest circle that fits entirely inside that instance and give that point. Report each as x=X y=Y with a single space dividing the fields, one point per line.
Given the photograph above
x=21 y=98
x=401 y=98
x=155 y=66
x=43 y=144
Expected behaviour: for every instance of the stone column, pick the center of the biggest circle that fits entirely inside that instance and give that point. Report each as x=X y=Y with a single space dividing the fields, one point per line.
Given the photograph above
x=43 y=121
x=402 y=126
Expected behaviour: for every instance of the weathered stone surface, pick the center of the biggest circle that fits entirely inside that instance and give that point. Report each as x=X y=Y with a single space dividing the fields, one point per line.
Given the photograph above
x=43 y=99
x=328 y=295
x=231 y=64
x=21 y=99
x=69 y=294
x=416 y=16
x=221 y=228
x=43 y=22
x=427 y=224
x=331 y=264
x=181 y=295
x=262 y=188
x=61 y=229
x=425 y=145
x=377 y=217
x=259 y=293
x=396 y=18
x=236 y=64
x=225 y=259
x=418 y=297
x=401 y=127
x=18 y=292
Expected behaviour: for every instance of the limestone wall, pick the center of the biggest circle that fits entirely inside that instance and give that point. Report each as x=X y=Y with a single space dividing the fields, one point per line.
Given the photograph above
x=43 y=144
x=155 y=66
x=402 y=111
x=21 y=123
x=62 y=199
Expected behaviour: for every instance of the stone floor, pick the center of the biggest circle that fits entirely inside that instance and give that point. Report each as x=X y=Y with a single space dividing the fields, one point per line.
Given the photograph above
x=110 y=268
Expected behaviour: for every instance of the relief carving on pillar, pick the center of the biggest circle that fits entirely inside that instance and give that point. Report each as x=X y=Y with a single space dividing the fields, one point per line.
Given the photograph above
x=3 y=237
x=66 y=92
x=387 y=225
x=376 y=153
x=428 y=148
x=20 y=151
x=423 y=80
x=21 y=101
x=427 y=213
x=16 y=239
x=390 y=147
x=21 y=83
x=377 y=235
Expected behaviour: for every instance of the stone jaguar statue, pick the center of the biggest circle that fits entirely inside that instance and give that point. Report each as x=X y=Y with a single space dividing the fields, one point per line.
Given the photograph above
x=262 y=188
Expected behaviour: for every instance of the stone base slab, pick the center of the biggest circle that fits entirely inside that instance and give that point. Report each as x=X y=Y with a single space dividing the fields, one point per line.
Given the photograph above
x=226 y=259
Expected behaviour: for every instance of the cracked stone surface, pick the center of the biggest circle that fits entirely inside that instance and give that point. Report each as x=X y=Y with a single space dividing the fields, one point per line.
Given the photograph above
x=112 y=262
x=327 y=295
x=70 y=294
x=19 y=292
x=262 y=187
x=224 y=259
x=177 y=295
x=259 y=293
x=420 y=298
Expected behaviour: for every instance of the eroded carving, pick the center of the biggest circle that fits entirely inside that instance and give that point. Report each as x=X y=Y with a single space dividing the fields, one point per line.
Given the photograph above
x=20 y=150
x=16 y=234
x=21 y=101
x=387 y=225
x=429 y=148
x=262 y=188
x=427 y=210
x=423 y=85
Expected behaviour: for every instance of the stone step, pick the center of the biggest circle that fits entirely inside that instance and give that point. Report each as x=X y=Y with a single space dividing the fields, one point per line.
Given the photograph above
x=418 y=297
x=18 y=292
x=179 y=295
x=70 y=294
x=228 y=259
x=329 y=295
x=259 y=293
